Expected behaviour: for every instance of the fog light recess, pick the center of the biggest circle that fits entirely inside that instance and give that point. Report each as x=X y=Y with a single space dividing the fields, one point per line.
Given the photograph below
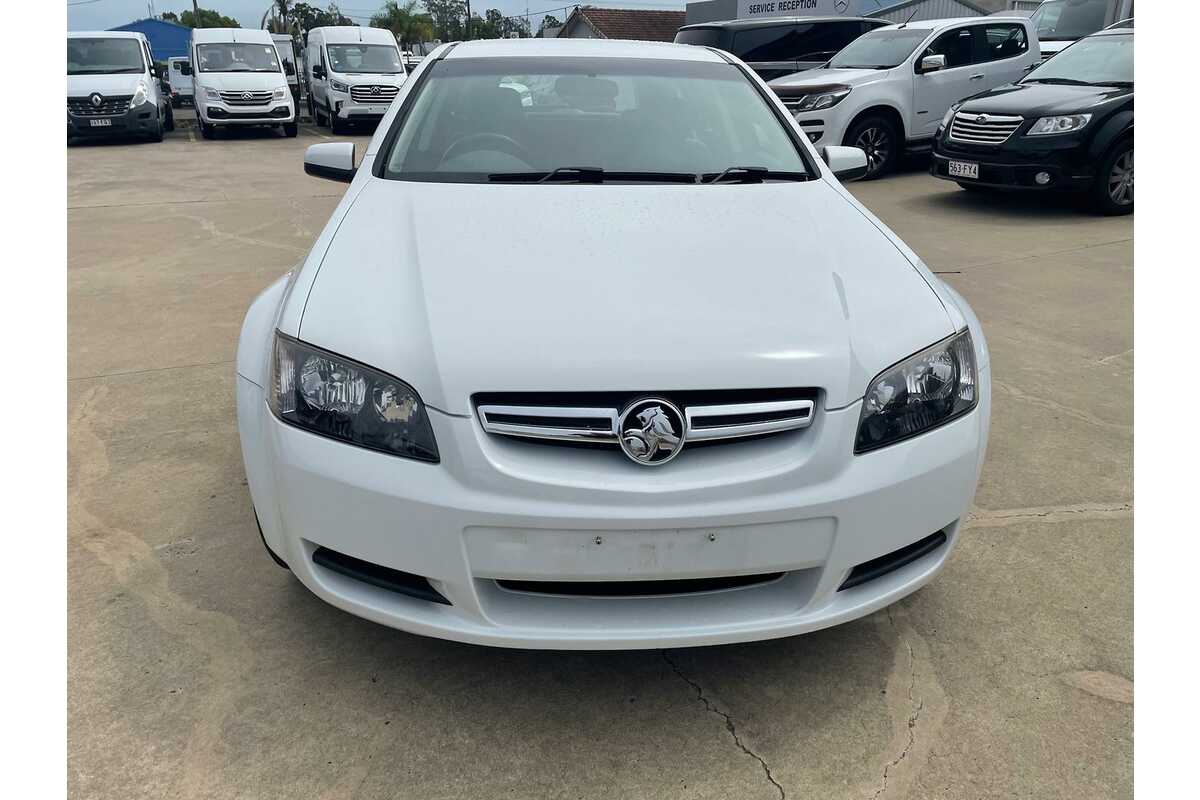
x=1042 y=178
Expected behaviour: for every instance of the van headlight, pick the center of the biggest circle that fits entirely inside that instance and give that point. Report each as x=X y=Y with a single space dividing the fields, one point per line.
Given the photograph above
x=333 y=396
x=212 y=94
x=816 y=102
x=279 y=94
x=920 y=393
x=141 y=94
x=338 y=86
x=1067 y=124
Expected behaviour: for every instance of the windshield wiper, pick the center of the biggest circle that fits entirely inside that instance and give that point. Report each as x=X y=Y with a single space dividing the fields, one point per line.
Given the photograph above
x=591 y=175
x=752 y=175
x=1063 y=81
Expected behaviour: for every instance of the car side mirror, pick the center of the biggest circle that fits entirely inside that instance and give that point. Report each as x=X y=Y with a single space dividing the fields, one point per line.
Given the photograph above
x=318 y=71
x=932 y=64
x=847 y=163
x=331 y=160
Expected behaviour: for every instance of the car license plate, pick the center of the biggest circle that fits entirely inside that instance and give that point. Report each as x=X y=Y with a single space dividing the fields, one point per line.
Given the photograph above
x=100 y=123
x=964 y=169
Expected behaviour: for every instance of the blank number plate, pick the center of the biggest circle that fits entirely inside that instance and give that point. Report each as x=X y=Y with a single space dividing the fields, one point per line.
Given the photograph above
x=100 y=123
x=964 y=169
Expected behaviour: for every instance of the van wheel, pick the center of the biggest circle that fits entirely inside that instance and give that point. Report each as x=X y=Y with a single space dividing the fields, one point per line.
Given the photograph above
x=170 y=118
x=880 y=140
x=156 y=135
x=1112 y=193
x=311 y=114
x=206 y=130
x=290 y=129
x=336 y=126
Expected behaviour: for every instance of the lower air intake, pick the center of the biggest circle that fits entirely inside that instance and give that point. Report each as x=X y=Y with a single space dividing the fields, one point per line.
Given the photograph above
x=387 y=578
x=638 y=588
x=878 y=567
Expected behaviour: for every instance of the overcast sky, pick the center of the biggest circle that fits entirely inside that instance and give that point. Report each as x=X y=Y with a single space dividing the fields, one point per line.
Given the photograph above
x=103 y=14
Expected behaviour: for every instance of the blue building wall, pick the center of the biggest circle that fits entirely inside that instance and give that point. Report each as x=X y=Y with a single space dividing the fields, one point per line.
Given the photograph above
x=166 y=38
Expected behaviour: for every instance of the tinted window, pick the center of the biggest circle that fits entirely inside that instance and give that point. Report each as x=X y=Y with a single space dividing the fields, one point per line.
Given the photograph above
x=881 y=48
x=476 y=117
x=103 y=56
x=237 y=57
x=1069 y=19
x=811 y=42
x=1003 y=41
x=376 y=58
x=703 y=37
x=1104 y=60
x=958 y=46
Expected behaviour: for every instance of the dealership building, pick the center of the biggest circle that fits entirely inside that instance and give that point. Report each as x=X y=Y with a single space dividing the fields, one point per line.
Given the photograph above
x=893 y=10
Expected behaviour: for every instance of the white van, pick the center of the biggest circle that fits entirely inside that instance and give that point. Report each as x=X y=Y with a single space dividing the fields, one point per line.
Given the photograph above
x=113 y=86
x=285 y=45
x=353 y=74
x=237 y=79
x=179 y=72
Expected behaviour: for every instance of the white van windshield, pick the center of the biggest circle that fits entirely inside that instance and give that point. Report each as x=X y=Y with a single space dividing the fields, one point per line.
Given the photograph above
x=373 y=58
x=237 y=57
x=104 y=56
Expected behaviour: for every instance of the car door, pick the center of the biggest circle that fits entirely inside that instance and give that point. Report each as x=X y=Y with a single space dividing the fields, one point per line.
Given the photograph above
x=934 y=92
x=1004 y=52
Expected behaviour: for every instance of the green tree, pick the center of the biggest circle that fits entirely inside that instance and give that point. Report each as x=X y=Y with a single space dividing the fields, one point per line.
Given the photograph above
x=448 y=16
x=208 y=19
x=305 y=17
x=548 y=21
x=404 y=21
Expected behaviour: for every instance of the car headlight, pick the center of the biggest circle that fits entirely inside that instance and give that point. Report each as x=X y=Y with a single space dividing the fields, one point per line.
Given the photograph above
x=922 y=392
x=816 y=102
x=140 y=94
x=338 y=86
x=333 y=396
x=1048 y=125
x=212 y=94
x=950 y=112
x=279 y=94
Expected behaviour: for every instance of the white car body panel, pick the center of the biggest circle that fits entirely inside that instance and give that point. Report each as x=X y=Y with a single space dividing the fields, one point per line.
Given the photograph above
x=919 y=100
x=238 y=82
x=817 y=293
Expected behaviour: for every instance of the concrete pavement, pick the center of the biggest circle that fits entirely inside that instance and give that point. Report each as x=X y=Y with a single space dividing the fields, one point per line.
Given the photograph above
x=200 y=669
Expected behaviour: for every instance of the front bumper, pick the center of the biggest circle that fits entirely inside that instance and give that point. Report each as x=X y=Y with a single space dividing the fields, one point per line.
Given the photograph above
x=501 y=510
x=1015 y=164
x=348 y=110
x=824 y=127
x=218 y=113
x=136 y=121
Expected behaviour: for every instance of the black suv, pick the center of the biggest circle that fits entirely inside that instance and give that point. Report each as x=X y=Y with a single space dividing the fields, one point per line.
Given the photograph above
x=781 y=45
x=1067 y=126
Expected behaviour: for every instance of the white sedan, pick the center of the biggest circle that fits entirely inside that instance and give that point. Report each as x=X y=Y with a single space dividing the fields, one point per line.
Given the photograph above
x=622 y=367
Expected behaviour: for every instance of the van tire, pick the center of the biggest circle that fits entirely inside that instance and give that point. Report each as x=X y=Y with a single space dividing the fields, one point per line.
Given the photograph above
x=156 y=135
x=290 y=129
x=206 y=130
x=170 y=118
x=336 y=127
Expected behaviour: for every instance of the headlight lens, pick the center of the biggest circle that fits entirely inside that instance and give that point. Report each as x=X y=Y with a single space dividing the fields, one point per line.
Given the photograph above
x=212 y=94
x=816 y=102
x=140 y=95
x=1048 y=125
x=950 y=114
x=342 y=399
x=338 y=86
x=279 y=94
x=922 y=392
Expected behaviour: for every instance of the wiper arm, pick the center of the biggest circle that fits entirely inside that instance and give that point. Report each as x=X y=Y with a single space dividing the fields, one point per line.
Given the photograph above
x=1066 y=81
x=752 y=175
x=591 y=175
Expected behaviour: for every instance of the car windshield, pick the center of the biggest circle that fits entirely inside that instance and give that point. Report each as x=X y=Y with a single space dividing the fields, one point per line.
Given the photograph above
x=880 y=49
x=237 y=57
x=491 y=118
x=1105 y=60
x=1059 y=20
x=374 y=58
x=104 y=56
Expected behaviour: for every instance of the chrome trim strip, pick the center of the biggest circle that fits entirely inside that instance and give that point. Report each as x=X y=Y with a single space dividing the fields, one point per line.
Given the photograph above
x=695 y=414
x=559 y=433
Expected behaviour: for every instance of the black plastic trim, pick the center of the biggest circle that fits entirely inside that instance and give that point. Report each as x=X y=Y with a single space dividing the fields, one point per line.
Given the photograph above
x=878 y=567
x=393 y=580
x=270 y=552
x=651 y=588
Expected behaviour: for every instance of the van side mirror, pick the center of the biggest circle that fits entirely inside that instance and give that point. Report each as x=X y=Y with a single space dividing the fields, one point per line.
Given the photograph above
x=318 y=72
x=847 y=163
x=185 y=68
x=333 y=161
x=932 y=64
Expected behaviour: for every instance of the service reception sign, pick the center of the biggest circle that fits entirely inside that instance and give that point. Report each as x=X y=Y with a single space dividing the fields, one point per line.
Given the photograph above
x=754 y=9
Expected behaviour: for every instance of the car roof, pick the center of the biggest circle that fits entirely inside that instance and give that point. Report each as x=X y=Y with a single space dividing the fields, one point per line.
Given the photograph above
x=353 y=33
x=215 y=35
x=580 y=48
x=1112 y=32
x=105 y=35
x=741 y=24
x=938 y=24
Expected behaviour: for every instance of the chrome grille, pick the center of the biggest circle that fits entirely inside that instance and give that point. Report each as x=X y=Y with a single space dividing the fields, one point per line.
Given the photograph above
x=373 y=94
x=246 y=98
x=109 y=106
x=989 y=129
x=598 y=422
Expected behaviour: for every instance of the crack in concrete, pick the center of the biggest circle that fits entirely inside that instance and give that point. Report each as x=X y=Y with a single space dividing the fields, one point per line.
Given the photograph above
x=730 y=727
x=1054 y=405
x=982 y=518
x=912 y=718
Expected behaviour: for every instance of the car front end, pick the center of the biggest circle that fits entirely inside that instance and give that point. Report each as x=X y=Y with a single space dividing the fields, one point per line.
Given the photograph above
x=356 y=98
x=222 y=103
x=127 y=110
x=572 y=438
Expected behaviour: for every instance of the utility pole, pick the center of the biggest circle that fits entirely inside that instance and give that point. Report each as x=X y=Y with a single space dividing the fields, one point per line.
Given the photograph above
x=467 y=32
x=195 y=13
